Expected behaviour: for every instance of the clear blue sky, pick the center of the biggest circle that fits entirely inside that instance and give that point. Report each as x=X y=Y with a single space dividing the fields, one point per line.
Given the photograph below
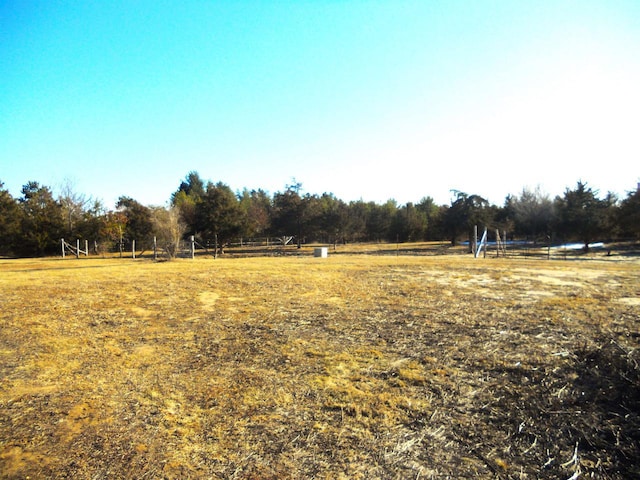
x=365 y=99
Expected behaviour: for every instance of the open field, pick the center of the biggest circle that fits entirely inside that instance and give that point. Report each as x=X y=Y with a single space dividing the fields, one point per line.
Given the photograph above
x=354 y=366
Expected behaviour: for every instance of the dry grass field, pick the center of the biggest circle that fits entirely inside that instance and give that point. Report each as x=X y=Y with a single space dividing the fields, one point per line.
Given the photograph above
x=353 y=366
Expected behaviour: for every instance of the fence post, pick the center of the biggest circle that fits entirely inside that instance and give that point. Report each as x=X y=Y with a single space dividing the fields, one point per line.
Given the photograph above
x=133 y=249
x=155 y=248
x=475 y=241
x=486 y=242
x=62 y=243
x=192 y=239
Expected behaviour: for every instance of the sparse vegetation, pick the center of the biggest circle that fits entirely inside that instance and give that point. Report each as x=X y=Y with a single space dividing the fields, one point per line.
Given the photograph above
x=355 y=366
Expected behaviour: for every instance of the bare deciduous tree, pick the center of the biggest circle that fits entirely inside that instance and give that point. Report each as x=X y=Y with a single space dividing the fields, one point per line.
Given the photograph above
x=74 y=205
x=168 y=229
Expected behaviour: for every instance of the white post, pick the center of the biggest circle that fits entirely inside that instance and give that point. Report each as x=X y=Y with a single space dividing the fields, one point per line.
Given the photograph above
x=86 y=248
x=62 y=243
x=192 y=238
x=483 y=241
x=77 y=248
x=133 y=249
x=155 y=248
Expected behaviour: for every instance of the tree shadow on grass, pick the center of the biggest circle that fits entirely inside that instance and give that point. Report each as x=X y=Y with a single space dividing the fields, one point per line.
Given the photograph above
x=581 y=419
x=607 y=392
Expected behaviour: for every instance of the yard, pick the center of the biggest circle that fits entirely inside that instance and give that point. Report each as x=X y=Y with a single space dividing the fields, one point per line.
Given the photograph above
x=352 y=366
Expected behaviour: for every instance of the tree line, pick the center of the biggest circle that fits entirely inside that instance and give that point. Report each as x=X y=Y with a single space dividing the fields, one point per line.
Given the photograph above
x=34 y=223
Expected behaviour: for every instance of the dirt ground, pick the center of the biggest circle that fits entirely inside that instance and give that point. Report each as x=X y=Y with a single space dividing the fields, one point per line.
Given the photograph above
x=352 y=366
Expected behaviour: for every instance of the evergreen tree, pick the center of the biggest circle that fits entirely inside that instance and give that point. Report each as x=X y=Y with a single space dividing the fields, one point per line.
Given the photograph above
x=465 y=213
x=357 y=213
x=629 y=215
x=190 y=192
x=218 y=215
x=409 y=224
x=581 y=215
x=333 y=220
x=42 y=221
x=291 y=212
x=255 y=206
x=380 y=221
x=10 y=222
x=139 y=223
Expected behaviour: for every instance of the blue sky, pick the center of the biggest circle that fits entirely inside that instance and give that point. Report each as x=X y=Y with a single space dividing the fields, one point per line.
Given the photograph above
x=365 y=99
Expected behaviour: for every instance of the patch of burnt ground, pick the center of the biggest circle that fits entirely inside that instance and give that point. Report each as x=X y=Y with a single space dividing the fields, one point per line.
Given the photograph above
x=577 y=421
x=607 y=391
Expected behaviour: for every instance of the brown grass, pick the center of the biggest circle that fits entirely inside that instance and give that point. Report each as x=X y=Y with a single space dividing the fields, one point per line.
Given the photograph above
x=353 y=366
